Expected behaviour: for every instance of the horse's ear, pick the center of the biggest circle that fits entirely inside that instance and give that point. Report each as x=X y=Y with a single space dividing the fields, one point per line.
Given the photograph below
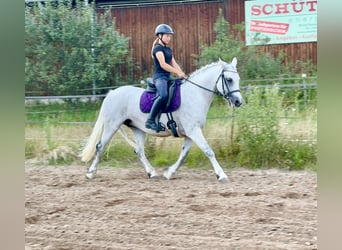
x=234 y=61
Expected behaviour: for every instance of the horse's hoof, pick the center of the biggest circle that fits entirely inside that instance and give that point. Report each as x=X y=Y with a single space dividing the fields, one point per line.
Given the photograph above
x=152 y=176
x=167 y=175
x=90 y=175
x=223 y=179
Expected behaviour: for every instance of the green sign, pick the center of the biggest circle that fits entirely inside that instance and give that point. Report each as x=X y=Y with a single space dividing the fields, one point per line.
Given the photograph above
x=280 y=21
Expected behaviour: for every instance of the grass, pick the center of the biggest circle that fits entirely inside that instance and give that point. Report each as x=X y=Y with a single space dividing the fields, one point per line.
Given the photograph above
x=66 y=141
x=52 y=140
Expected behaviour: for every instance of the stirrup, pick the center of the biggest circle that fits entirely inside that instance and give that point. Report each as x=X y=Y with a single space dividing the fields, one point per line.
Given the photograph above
x=161 y=127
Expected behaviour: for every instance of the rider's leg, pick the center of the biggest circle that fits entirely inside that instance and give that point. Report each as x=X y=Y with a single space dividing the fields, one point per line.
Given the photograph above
x=151 y=121
x=158 y=105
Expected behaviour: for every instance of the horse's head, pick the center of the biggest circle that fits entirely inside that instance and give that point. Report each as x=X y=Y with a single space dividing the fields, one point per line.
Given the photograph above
x=228 y=84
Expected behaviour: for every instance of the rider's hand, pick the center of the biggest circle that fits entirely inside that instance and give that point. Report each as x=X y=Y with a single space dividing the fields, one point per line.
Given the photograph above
x=182 y=75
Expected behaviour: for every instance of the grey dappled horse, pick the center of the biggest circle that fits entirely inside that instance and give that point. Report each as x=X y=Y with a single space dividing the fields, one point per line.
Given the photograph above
x=121 y=106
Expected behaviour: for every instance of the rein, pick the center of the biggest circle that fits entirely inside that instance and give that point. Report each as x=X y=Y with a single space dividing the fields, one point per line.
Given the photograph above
x=225 y=83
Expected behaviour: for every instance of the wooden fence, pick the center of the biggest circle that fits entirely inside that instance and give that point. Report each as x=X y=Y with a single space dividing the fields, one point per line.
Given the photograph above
x=192 y=22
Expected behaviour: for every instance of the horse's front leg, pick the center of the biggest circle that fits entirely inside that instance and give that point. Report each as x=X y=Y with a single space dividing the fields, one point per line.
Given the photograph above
x=197 y=136
x=182 y=157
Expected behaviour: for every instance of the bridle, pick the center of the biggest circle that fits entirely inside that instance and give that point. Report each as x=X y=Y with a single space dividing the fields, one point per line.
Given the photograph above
x=227 y=93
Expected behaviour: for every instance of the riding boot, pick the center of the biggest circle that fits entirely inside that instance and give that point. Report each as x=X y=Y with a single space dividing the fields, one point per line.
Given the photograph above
x=155 y=111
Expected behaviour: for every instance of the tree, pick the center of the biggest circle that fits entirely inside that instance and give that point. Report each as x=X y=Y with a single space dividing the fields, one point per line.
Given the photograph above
x=68 y=49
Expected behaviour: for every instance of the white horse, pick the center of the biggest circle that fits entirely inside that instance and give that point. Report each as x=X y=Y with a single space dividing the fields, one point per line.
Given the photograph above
x=121 y=106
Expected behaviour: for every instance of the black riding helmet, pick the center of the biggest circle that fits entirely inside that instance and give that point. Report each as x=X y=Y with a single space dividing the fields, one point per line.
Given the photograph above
x=163 y=29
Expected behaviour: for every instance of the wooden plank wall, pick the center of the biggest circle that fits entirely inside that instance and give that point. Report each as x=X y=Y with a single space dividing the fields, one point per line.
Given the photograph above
x=193 y=26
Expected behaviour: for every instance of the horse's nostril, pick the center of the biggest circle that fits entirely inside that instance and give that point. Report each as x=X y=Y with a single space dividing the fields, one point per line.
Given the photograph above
x=237 y=103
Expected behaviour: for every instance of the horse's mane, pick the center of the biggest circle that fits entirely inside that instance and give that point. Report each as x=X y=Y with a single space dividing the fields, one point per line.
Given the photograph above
x=204 y=68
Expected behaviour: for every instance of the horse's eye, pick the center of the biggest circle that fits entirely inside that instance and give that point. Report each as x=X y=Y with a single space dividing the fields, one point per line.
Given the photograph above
x=230 y=80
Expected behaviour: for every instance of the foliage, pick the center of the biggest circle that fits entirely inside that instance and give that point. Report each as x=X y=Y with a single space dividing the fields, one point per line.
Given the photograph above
x=252 y=64
x=67 y=50
x=258 y=125
x=259 y=142
x=254 y=139
x=261 y=133
x=296 y=155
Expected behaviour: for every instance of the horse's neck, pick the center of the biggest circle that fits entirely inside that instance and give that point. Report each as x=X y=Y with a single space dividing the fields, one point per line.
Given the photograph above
x=205 y=78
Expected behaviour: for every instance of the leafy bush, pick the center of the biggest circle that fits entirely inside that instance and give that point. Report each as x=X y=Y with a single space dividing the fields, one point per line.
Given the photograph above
x=258 y=128
x=259 y=141
x=68 y=49
x=296 y=155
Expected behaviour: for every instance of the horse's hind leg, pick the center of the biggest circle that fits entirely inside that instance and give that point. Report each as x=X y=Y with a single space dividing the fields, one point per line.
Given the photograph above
x=182 y=157
x=140 y=152
x=108 y=133
x=197 y=136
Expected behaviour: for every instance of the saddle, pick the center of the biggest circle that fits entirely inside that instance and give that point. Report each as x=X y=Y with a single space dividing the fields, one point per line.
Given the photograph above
x=149 y=95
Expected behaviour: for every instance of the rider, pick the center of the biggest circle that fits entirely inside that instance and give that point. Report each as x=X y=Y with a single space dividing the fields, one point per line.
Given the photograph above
x=164 y=65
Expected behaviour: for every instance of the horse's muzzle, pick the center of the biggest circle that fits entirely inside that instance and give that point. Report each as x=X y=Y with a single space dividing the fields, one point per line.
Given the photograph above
x=237 y=103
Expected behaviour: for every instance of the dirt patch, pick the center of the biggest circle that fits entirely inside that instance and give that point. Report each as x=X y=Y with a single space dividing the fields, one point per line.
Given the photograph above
x=122 y=209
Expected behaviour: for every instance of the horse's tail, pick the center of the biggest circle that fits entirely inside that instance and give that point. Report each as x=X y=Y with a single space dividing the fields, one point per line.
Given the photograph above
x=127 y=139
x=89 y=150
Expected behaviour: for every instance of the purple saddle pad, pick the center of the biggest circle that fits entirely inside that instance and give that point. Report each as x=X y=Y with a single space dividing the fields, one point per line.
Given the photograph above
x=147 y=98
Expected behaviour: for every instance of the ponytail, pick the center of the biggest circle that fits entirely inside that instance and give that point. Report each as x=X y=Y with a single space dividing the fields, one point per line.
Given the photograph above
x=154 y=44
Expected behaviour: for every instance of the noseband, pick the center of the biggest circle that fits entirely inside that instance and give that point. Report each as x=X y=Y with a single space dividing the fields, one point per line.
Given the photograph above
x=225 y=85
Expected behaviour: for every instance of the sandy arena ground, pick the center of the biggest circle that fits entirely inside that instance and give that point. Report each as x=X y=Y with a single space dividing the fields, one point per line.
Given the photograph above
x=122 y=209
